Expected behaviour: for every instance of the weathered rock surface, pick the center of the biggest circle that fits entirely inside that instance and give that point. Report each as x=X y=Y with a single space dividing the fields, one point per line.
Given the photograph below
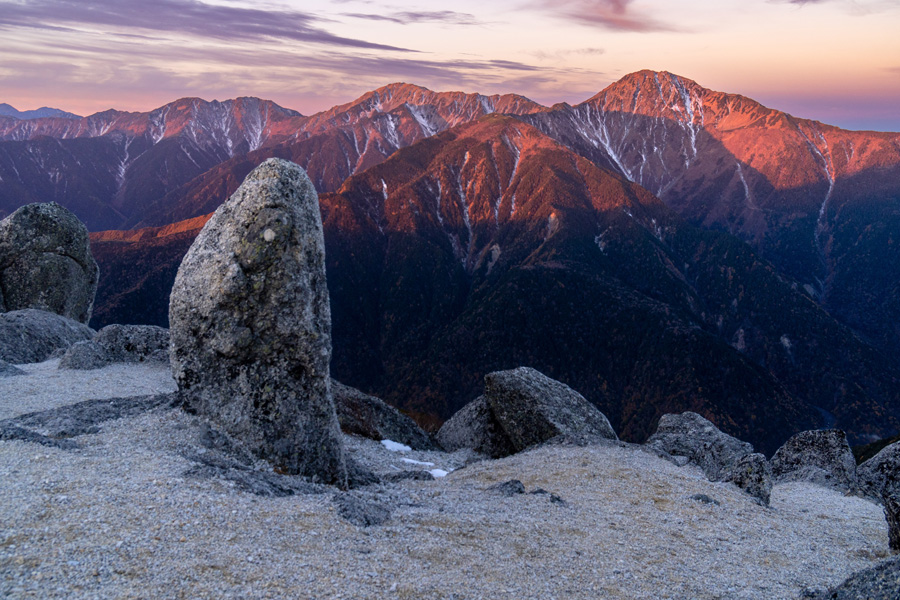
x=119 y=344
x=221 y=458
x=690 y=435
x=704 y=499
x=251 y=325
x=370 y=417
x=519 y=409
x=56 y=426
x=46 y=262
x=474 y=426
x=721 y=456
x=880 y=474
x=881 y=582
x=821 y=456
x=753 y=474
x=84 y=356
x=508 y=488
x=8 y=370
x=360 y=511
x=31 y=335
x=892 y=515
x=531 y=409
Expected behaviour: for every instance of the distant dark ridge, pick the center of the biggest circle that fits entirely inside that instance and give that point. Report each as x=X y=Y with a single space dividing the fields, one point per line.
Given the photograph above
x=8 y=111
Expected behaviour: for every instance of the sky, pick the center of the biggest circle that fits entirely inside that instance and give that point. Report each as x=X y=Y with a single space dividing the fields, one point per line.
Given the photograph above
x=837 y=61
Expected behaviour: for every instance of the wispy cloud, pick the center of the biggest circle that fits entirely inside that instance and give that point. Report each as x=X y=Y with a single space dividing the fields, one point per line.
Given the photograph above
x=36 y=66
x=562 y=54
x=613 y=15
x=191 y=17
x=857 y=7
x=446 y=17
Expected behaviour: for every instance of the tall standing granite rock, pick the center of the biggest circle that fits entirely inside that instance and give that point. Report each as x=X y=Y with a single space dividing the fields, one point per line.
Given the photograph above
x=46 y=262
x=892 y=515
x=250 y=325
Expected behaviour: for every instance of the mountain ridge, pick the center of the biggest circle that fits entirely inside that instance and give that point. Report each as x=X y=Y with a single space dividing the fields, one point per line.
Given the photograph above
x=727 y=250
x=45 y=111
x=423 y=247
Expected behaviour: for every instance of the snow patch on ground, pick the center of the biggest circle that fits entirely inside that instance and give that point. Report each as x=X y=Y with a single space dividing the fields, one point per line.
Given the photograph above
x=395 y=446
x=417 y=462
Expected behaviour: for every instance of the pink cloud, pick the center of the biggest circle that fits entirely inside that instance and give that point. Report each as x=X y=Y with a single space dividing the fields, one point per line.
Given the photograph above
x=191 y=17
x=614 y=15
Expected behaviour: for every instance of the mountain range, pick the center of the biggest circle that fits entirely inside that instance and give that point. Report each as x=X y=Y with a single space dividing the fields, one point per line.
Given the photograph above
x=8 y=111
x=659 y=247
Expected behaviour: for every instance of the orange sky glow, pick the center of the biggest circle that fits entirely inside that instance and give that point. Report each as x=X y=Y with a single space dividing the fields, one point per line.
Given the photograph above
x=837 y=61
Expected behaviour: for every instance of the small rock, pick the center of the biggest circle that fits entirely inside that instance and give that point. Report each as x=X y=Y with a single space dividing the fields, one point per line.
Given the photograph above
x=84 y=356
x=85 y=417
x=119 y=344
x=359 y=476
x=821 y=457
x=553 y=497
x=474 y=427
x=370 y=417
x=46 y=262
x=259 y=483
x=753 y=474
x=31 y=335
x=360 y=512
x=704 y=499
x=880 y=474
x=409 y=476
x=134 y=343
x=509 y=488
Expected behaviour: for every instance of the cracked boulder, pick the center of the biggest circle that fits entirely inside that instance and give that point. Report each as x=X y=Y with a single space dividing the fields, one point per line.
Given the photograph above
x=522 y=408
